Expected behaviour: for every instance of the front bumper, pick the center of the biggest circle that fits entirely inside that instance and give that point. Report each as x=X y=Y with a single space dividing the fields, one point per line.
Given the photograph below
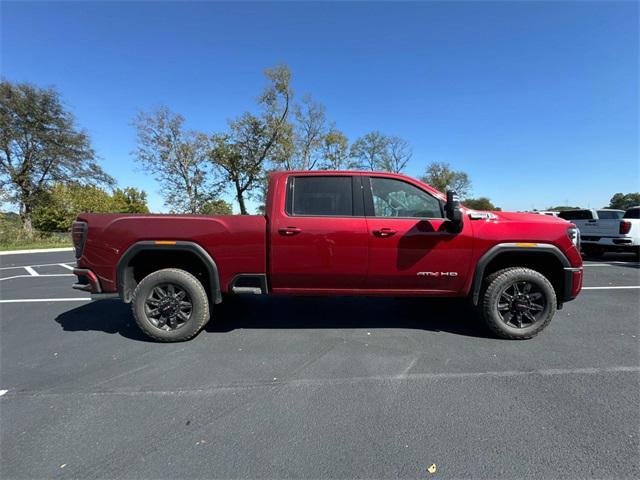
x=572 y=282
x=87 y=281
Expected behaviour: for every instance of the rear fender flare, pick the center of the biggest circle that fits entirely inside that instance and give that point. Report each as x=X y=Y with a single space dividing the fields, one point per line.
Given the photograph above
x=123 y=274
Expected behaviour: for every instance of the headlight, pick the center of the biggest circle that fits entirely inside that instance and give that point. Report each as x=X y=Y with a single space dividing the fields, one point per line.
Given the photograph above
x=574 y=235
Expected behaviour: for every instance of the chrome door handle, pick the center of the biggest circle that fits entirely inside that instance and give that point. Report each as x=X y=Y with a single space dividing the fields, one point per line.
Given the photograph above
x=384 y=232
x=289 y=231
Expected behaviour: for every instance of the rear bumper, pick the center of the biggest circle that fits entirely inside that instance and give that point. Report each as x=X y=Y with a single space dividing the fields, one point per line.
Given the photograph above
x=87 y=281
x=609 y=242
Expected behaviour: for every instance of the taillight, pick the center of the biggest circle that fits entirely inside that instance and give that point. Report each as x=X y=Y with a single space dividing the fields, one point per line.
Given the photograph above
x=625 y=227
x=79 y=236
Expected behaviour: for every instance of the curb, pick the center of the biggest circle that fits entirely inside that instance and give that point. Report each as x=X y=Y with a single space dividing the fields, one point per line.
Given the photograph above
x=36 y=250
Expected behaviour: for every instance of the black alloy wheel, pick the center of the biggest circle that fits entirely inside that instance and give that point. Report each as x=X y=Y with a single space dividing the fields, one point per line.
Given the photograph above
x=168 y=307
x=521 y=304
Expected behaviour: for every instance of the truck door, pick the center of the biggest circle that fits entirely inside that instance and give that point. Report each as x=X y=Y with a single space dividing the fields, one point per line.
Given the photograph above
x=318 y=238
x=410 y=248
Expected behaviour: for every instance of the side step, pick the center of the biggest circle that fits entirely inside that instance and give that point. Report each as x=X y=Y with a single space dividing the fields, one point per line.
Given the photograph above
x=251 y=283
x=253 y=290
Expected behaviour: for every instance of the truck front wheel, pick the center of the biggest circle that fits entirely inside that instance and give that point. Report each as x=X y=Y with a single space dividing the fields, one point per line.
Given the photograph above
x=518 y=303
x=170 y=305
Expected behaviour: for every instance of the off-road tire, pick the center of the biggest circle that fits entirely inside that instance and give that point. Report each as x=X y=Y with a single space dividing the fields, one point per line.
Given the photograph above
x=496 y=283
x=196 y=292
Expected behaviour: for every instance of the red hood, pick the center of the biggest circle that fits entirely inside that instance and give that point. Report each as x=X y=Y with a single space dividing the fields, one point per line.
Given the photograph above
x=529 y=217
x=522 y=217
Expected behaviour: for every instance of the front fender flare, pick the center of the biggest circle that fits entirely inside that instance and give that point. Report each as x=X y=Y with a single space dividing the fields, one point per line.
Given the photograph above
x=540 y=248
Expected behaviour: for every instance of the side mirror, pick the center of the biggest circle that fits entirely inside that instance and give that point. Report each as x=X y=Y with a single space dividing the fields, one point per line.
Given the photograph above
x=453 y=212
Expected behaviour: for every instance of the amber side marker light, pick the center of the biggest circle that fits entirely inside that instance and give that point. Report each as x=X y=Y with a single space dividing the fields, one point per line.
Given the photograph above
x=526 y=244
x=164 y=242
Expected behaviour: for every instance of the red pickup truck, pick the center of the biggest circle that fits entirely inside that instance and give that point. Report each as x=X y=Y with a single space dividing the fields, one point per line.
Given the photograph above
x=333 y=233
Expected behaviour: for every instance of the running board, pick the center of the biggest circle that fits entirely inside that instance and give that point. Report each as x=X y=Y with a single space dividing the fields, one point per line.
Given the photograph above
x=253 y=290
x=251 y=283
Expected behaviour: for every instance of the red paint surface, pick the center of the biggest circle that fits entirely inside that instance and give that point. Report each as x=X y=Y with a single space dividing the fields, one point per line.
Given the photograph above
x=328 y=255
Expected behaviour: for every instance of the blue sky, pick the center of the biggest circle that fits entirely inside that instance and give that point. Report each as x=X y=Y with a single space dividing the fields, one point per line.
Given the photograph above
x=537 y=101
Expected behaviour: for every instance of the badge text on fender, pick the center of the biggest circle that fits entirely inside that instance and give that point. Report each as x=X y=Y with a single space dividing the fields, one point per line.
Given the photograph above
x=437 y=274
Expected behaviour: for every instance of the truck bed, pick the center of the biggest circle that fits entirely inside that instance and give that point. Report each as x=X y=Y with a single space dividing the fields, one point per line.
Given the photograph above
x=237 y=243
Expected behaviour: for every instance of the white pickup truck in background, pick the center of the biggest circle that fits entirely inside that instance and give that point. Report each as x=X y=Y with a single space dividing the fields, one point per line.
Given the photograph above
x=606 y=230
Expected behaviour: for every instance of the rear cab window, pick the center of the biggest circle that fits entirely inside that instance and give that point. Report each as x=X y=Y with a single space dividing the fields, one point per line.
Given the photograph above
x=322 y=196
x=610 y=214
x=576 y=215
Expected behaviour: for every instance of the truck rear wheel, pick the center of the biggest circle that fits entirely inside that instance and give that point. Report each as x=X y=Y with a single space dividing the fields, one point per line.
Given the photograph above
x=170 y=305
x=518 y=303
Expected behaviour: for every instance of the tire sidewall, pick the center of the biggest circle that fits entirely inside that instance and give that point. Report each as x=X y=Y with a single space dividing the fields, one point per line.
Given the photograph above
x=197 y=295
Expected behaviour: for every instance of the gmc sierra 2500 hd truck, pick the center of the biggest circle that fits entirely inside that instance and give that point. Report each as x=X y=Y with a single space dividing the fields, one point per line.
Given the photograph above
x=333 y=233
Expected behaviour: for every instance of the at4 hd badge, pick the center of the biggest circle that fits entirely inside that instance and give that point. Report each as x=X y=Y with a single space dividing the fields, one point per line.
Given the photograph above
x=437 y=274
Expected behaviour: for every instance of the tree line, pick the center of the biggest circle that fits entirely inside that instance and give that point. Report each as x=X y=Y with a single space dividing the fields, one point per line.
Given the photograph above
x=281 y=134
x=49 y=169
x=47 y=165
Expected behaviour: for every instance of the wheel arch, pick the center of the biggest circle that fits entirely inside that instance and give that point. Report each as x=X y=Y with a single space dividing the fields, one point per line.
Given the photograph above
x=188 y=255
x=545 y=258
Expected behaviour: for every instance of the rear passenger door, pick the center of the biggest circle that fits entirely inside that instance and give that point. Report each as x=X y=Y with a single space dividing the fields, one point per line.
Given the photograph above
x=319 y=238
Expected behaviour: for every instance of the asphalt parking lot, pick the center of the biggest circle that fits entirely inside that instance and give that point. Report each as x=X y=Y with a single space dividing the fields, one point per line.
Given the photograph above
x=316 y=387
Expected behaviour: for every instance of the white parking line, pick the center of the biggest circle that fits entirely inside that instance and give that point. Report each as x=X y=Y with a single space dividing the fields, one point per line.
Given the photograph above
x=39 y=276
x=611 y=264
x=64 y=265
x=30 y=300
x=37 y=250
x=2 y=392
x=612 y=287
x=31 y=271
x=616 y=264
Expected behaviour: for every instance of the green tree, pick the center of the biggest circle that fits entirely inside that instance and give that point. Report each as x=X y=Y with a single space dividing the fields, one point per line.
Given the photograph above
x=624 y=201
x=370 y=150
x=481 y=203
x=241 y=154
x=61 y=203
x=129 y=200
x=40 y=145
x=308 y=134
x=397 y=154
x=216 y=207
x=177 y=158
x=561 y=208
x=441 y=177
x=335 y=151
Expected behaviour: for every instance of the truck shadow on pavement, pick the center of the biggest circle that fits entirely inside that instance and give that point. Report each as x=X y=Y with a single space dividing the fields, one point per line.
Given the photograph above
x=438 y=315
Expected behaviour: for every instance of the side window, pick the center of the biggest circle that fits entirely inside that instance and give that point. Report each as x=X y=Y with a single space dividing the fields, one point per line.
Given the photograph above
x=395 y=198
x=320 y=196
